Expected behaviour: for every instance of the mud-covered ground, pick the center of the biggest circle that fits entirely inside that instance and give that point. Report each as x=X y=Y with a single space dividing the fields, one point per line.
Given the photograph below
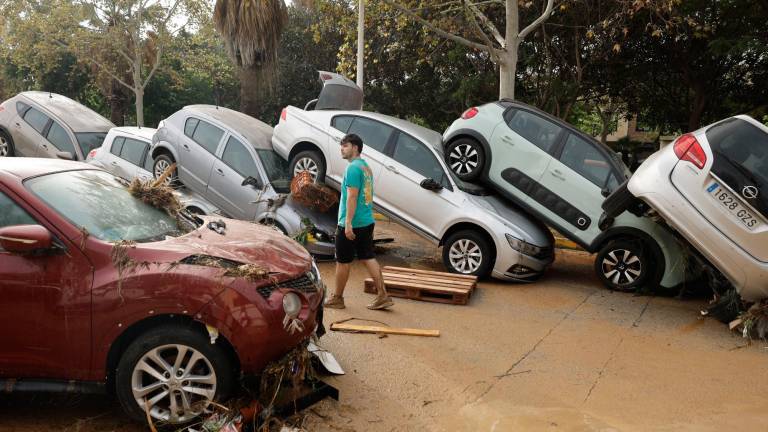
x=561 y=354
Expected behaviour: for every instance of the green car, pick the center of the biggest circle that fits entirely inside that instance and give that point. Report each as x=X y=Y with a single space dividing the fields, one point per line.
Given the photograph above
x=562 y=176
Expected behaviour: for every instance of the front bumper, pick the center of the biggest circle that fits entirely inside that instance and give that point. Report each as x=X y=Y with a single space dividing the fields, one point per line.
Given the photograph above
x=515 y=266
x=320 y=248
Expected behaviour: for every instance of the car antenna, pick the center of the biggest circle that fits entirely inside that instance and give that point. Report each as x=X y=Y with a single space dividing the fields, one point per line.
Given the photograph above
x=50 y=96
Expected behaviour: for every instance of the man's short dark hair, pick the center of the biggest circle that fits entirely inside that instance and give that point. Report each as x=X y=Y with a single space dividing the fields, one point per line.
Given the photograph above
x=354 y=140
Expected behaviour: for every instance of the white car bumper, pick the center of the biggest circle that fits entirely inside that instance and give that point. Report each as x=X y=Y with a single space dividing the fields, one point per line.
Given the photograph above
x=652 y=183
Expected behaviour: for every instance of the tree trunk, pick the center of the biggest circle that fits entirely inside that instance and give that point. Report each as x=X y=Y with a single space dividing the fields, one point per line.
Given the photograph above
x=139 y=93
x=116 y=110
x=507 y=72
x=251 y=90
x=697 y=111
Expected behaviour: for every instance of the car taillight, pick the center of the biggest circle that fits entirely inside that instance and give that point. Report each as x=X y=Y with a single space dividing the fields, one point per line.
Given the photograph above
x=92 y=154
x=2 y=108
x=687 y=148
x=284 y=114
x=468 y=114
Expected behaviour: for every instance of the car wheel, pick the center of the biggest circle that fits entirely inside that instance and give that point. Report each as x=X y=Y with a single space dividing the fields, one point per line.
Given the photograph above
x=618 y=201
x=626 y=264
x=162 y=162
x=467 y=252
x=6 y=145
x=466 y=158
x=173 y=372
x=311 y=161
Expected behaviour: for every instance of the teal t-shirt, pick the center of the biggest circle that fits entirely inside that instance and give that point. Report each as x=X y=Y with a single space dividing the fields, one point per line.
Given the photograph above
x=358 y=175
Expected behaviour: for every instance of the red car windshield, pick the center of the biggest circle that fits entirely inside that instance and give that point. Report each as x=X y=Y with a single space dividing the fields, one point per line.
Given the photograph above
x=100 y=203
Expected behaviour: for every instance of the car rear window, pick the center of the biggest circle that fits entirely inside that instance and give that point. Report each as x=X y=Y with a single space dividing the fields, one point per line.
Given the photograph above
x=339 y=97
x=740 y=152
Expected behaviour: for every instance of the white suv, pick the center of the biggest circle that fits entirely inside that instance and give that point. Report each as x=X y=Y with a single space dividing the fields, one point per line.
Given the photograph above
x=480 y=235
x=711 y=185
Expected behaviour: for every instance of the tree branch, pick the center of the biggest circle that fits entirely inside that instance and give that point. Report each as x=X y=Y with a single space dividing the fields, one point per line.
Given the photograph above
x=487 y=23
x=544 y=16
x=101 y=66
x=158 y=57
x=476 y=26
x=439 y=31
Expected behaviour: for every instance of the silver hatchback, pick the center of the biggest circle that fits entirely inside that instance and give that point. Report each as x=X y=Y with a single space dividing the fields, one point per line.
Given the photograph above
x=711 y=186
x=227 y=157
x=49 y=125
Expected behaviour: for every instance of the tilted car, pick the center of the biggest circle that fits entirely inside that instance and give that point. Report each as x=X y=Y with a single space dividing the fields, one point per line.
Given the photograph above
x=711 y=186
x=125 y=153
x=102 y=292
x=227 y=158
x=562 y=176
x=480 y=235
x=49 y=125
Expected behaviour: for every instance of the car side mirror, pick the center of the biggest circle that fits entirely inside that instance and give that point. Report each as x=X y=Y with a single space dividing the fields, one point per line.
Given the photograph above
x=252 y=181
x=25 y=239
x=431 y=184
x=605 y=192
x=65 y=155
x=310 y=105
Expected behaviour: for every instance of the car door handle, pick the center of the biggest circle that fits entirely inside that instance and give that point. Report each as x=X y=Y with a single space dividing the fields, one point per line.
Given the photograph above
x=114 y=163
x=18 y=124
x=393 y=169
x=507 y=140
x=186 y=147
x=220 y=171
x=556 y=174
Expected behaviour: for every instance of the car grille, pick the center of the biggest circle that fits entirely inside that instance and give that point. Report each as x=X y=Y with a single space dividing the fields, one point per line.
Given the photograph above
x=303 y=284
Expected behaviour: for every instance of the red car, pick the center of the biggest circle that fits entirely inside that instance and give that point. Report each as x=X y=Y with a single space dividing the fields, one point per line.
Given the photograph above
x=170 y=322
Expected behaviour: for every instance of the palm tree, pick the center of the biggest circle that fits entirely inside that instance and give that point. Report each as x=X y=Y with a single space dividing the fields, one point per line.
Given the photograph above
x=251 y=30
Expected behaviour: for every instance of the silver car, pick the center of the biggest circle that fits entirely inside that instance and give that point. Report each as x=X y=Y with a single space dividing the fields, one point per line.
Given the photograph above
x=125 y=153
x=226 y=157
x=49 y=125
x=711 y=185
x=480 y=234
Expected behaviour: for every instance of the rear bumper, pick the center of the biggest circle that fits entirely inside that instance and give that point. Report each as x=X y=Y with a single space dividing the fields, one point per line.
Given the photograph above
x=652 y=184
x=278 y=140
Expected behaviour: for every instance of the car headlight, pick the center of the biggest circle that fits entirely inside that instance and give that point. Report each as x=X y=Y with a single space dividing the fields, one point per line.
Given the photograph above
x=314 y=274
x=522 y=246
x=291 y=305
x=320 y=235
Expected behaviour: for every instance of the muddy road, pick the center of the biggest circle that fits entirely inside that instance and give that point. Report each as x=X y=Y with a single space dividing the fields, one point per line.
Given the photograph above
x=562 y=354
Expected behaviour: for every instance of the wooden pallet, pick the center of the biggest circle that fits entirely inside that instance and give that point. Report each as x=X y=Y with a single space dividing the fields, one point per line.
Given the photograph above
x=426 y=285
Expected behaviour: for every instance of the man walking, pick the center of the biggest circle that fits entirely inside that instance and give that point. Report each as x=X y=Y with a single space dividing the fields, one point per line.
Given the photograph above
x=354 y=235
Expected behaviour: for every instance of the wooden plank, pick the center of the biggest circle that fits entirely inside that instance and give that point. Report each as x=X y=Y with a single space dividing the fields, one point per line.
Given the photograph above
x=401 y=280
x=409 y=284
x=430 y=279
x=409 y=292
x=434 y=273
x=384 y=330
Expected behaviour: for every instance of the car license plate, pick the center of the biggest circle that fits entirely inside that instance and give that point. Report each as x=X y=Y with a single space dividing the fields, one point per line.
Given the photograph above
x=731 y=203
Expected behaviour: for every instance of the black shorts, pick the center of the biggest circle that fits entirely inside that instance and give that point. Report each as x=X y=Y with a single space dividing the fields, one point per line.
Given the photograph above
x=361 y=246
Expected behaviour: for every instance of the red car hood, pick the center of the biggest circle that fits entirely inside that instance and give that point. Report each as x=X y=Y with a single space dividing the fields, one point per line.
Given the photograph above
x=244 y=242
